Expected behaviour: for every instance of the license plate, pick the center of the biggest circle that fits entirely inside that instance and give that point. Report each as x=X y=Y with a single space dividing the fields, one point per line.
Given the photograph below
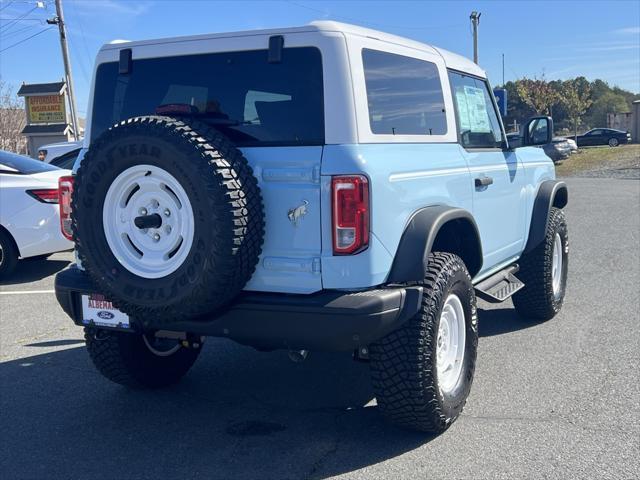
x=97 y=310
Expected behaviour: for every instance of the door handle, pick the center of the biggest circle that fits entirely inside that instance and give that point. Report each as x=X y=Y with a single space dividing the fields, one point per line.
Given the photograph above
x=483 y=181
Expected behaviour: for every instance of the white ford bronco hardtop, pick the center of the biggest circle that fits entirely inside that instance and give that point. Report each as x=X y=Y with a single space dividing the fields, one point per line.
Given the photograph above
x=326 y=187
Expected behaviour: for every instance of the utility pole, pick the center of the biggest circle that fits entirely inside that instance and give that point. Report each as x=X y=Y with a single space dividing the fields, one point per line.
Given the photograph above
x=475 y=21
x=59 y=20
x=503 y=70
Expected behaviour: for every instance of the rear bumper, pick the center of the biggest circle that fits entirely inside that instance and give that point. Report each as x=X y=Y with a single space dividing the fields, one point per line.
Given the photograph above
x=330 y=320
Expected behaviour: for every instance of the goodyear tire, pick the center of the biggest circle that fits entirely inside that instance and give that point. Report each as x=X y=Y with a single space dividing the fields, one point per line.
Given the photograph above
x=544 y=272
x=167 y=218
x=422 y=372
x=137 y=360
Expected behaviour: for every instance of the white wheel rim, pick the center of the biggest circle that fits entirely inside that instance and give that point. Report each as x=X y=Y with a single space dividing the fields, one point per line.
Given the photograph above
x=556 y=265
x=450 y=343
x=149 y=252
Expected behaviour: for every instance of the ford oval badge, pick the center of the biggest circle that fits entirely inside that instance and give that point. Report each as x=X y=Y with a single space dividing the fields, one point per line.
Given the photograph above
x=105 y=315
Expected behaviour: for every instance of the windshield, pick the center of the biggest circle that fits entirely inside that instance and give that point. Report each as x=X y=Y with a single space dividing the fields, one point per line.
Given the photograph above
x=14 y=163
x=252 y=101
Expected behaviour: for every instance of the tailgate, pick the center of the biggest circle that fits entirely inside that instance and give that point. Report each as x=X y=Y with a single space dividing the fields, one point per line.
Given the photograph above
x=289 y=178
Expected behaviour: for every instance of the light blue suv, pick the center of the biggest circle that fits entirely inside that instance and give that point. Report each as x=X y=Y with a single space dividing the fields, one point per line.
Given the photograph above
x=326 y=187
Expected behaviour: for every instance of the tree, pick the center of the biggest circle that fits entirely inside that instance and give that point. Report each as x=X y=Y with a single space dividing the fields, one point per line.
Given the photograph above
x=576 y=99
x=537 y=94
x=609 y=102
x=12 y=120
x=517 y=110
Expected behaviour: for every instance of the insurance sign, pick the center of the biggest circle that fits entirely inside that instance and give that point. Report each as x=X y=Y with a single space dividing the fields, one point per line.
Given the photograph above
x=46 y=109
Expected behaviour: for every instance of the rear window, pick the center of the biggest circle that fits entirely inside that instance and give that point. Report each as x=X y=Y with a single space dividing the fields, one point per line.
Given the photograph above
x=404 y=95
x=14 y=163
x=252 y=101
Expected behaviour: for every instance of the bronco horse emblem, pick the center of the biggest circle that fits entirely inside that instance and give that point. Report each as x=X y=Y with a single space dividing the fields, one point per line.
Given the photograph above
x=297 y=213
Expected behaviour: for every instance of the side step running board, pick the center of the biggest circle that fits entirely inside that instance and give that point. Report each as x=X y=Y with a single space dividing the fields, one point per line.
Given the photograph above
x=499 y=286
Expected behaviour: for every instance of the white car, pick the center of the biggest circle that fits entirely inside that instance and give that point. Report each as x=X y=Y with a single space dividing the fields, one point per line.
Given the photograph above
x=56 y=153
x=29 y=213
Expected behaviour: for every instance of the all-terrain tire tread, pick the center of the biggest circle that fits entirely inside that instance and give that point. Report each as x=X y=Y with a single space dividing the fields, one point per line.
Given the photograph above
x=536 y=300
x=119 y=358
x=405 y=386
x=224 y=166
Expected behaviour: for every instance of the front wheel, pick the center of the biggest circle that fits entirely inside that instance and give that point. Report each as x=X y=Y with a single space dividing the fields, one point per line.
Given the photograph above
x=139 y=360
x=544 y=272
x=422 y=372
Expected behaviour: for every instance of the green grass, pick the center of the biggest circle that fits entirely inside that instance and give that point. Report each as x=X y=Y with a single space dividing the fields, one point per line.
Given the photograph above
x=600 y=158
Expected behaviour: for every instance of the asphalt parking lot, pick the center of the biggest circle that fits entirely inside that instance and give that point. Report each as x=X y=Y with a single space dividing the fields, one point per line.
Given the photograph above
x=554 y=400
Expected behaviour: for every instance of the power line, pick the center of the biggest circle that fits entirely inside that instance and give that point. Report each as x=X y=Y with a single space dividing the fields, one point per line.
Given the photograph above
x=21 y=19
x=80 y=62
x=84 y=40
x=25 y=39
x=4 y=36
x=6 y=6
x=15 y=20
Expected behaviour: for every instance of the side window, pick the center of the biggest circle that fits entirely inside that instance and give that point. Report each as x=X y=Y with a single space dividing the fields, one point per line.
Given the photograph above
x=404 y=95
x=478 y=122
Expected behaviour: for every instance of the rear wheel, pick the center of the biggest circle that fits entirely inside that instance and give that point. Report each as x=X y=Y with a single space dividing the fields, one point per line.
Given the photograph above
x=139 y=360
x=613 y=142
x=8 y=254
x=422 y=372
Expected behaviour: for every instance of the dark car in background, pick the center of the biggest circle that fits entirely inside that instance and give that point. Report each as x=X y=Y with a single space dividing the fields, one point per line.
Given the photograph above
x=603 y=136
x=558 y=150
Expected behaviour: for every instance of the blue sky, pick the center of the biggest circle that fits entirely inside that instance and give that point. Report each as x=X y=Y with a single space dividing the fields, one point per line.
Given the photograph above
x=559 y=39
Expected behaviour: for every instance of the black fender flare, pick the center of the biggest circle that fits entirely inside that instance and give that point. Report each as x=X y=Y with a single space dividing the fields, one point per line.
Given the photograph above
x=418 y=238
x=552 y=193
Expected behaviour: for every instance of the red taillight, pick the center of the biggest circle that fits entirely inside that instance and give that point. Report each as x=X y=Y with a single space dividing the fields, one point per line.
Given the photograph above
x=65 y=189
x=350 y=207
x=44 y=195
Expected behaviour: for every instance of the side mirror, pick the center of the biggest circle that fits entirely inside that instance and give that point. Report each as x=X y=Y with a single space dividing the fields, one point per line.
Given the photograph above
x=538 y=131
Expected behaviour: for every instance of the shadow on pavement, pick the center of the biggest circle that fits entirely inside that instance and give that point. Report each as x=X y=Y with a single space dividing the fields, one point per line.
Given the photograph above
x=55 y=343
x=500 y=321
x=238 y=414
x=31 y=270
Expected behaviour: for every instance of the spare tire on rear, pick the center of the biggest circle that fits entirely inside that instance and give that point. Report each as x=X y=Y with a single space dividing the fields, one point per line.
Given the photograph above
x=168 y=218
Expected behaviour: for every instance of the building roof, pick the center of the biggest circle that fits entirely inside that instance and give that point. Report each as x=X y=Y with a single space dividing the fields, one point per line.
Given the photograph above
x=453 y=60
x=46 y=129
x=55 y=88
